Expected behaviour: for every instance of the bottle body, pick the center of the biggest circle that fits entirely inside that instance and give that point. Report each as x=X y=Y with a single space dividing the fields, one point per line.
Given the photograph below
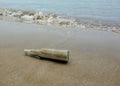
x=62 y=55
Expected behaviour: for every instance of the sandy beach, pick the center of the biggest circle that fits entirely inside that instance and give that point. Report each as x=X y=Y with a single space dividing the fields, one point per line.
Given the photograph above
x=94 y=56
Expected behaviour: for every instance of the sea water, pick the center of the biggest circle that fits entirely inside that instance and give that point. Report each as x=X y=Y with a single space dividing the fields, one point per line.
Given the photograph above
x=87 y=9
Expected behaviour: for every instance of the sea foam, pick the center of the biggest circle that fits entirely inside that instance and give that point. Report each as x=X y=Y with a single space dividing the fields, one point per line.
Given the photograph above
x=47 y=18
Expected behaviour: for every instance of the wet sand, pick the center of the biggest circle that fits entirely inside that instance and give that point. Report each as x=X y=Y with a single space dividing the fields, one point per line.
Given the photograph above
x=94 y=56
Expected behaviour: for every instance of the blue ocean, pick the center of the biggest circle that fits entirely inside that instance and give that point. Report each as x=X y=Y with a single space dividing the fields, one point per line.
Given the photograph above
x=91 y=9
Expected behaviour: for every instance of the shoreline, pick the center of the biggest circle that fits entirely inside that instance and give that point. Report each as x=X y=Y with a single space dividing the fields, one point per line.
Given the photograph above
x=47 y=18
x=94 y=56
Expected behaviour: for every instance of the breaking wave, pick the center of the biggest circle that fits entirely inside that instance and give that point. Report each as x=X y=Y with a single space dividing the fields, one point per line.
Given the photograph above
x=47 y=18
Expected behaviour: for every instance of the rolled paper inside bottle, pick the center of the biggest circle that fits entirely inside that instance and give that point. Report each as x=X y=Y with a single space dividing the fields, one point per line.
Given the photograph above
x=62 y=55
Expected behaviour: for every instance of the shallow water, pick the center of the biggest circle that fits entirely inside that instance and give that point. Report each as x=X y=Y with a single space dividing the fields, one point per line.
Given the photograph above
x=100 y=9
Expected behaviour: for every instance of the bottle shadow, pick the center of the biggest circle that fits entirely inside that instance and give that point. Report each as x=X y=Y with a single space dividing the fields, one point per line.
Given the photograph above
x=48 y=59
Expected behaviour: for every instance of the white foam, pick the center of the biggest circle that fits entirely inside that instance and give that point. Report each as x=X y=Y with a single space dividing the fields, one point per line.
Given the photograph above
x=44 y=18
x=27 y=17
